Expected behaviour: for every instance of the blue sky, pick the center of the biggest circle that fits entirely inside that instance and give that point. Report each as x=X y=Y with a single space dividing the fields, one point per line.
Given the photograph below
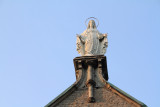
x=38 y=44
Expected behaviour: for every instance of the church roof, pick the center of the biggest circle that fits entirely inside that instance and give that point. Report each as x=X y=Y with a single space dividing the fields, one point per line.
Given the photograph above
x=92 y=85
x=73 y=87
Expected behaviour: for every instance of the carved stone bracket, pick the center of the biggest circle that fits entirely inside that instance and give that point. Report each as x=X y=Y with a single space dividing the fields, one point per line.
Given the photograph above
x=91 y=71
x=91 y=81
x=97 y=62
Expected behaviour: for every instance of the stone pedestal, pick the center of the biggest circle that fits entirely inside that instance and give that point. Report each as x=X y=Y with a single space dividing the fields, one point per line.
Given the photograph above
x=91 y=71
x=92 y=89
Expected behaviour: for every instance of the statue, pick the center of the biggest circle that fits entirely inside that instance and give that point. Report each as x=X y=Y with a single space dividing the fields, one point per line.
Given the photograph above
x=91 y=41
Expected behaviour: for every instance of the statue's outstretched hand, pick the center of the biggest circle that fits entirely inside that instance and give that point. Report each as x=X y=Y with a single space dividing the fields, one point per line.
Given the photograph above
x=79 y=36
x=105 y=35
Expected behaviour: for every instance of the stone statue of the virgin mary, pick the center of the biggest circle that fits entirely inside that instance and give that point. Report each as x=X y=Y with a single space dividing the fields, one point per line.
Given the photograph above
x=91 y=41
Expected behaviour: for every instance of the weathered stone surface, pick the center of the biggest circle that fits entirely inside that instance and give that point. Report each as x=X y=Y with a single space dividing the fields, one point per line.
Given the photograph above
x=92 y=88
x=103 y=96
x=91 y=41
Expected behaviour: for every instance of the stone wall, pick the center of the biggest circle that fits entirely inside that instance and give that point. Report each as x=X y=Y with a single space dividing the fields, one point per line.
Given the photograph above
x=103 y=96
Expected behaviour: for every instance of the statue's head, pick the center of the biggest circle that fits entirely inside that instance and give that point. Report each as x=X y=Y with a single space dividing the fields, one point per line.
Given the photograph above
x=91 y=24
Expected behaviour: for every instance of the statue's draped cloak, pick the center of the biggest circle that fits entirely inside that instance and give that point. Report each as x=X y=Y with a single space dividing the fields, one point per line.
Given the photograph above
x=91 y=42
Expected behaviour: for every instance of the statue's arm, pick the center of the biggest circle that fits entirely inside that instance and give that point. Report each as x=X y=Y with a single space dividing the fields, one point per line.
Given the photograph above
x=102 y=36
x=105 y=35
x=81 y=38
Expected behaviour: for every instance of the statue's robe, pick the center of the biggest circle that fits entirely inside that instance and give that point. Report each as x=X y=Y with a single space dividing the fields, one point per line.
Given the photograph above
x=91 y=42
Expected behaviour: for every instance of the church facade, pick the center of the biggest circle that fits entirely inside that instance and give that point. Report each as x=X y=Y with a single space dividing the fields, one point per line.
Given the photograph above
x=92 y=88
